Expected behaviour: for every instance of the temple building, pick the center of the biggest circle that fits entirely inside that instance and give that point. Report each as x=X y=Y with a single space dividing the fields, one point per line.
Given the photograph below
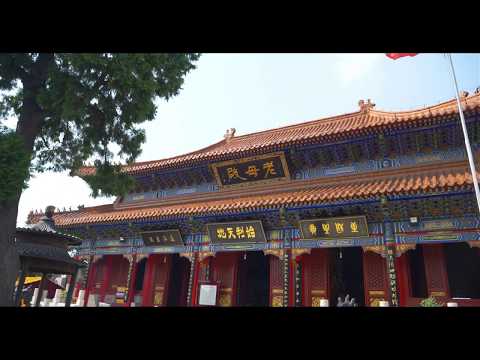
x=374 y=204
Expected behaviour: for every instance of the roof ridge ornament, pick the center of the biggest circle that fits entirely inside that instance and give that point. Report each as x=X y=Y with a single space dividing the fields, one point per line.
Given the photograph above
x=229 y=134
x=365 y=106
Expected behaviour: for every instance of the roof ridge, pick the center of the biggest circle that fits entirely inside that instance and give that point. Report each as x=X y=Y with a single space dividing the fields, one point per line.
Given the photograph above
x=365 y=118
x=308 y=123
x=169 y=158
x=440 y=104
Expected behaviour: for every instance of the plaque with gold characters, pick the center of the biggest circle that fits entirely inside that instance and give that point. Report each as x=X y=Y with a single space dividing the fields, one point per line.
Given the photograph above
x=162 y=238
x=334 y=228
x=240 y=232
x=251 y=170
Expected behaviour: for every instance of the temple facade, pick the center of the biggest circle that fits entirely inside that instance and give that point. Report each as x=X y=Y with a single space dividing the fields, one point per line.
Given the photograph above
x=373 y=204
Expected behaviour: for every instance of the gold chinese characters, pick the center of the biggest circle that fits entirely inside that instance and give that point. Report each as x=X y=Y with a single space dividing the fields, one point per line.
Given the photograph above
x=237 y=232
x=342 y=227
x=252 y=171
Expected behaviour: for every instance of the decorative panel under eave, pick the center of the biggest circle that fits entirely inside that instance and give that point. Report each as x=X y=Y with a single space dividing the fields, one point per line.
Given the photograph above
x=315 y=277
x=375 y=278
x=223 y=271
x=435 y=270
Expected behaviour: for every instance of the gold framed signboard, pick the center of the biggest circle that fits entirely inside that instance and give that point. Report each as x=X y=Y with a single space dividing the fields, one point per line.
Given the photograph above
x=240 y=232
x=252 y=170
x=162 y=238
x=334 y=228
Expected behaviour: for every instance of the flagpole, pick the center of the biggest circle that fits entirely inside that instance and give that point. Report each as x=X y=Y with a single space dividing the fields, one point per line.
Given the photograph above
x=465 y=135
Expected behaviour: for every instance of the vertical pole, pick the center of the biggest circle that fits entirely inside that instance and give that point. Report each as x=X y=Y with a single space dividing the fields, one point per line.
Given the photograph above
x=40 y=290
x=287 y=245
x=21 y=282
x=292 y=280
x=90 y=278
x=298 y=281
x=403 y=282
x=465 y=135
x=106 y=277
x=132 y=273
x=148 y=281
x=71 y=288
x=391 y=271
x=195 y=266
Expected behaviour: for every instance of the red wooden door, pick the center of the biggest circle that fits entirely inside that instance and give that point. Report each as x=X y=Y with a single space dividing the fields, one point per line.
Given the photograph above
x=223 y=269
x=435 y=271
x=315 y=284
x=156 y=280
x=375 y=278
x=118 y=276
x=98 y=276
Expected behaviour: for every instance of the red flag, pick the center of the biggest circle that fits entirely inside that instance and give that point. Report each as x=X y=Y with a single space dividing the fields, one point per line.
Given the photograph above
x=396 y=56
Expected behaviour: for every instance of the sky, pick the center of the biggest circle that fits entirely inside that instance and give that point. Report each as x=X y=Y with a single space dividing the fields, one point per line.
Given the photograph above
x=255 y=92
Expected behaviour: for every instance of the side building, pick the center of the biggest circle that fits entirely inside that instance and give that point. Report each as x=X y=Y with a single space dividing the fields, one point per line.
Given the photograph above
x=378 y=205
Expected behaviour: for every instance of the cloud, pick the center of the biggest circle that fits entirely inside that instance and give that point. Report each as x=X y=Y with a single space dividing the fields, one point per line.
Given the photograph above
x=351 y=67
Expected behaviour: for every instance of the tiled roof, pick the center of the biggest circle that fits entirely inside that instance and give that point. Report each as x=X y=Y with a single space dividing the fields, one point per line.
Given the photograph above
x=433 y=178
x=316 y=131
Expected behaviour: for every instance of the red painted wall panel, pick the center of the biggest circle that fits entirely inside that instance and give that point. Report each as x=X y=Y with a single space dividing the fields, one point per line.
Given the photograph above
x=435 y=270
x=223 y=269
x=276 y=281
x=316 y=284
x=375 y=278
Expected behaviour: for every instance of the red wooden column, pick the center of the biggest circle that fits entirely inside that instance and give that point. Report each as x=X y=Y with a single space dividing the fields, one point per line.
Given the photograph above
x=276 y=281
x=90 y=279
x=291 y=288
x=375 y=278
x=195 y=277
x=106 y=276
x=401 y=264
x=132 y=280
x=436 y=271
x=147 y=283
x=316 y=285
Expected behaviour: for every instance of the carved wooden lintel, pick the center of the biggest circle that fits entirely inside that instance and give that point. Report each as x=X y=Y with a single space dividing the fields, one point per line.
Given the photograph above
x=379 y=249
x=205 y=254
x=129 y=257
x=400 y=249
x=298 y=252
x=189 y=255
x=275 y=252
x=140 y=257
x=474 y=243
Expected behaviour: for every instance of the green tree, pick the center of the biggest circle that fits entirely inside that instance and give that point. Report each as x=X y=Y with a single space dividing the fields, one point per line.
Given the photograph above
x=72 y=108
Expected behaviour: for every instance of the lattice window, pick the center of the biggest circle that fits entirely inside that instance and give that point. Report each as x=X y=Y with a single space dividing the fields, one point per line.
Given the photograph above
x=435 y=267
x=276 y=273
x=319 y=272
x=375 y=272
